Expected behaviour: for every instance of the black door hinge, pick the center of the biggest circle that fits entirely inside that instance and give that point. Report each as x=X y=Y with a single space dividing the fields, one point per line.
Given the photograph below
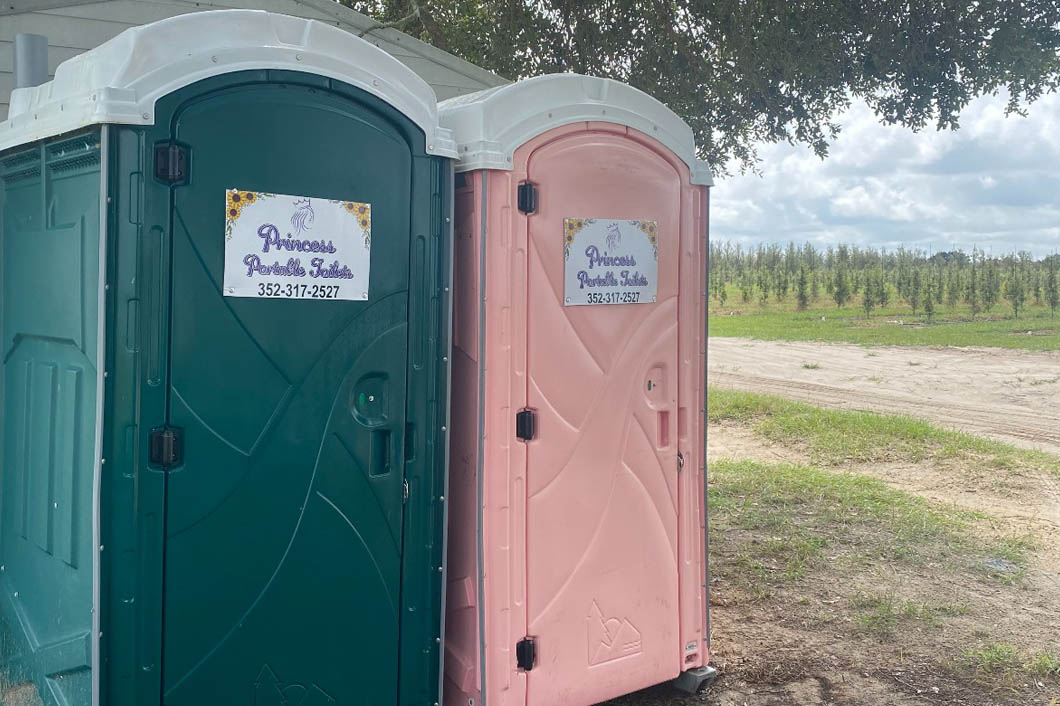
x=525 y=424
x=166 y=447
x=527 y=197
x=171 y=163
x=526 y=653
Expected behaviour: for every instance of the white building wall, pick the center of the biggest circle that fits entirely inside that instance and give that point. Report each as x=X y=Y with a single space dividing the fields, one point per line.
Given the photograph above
x=73 y=26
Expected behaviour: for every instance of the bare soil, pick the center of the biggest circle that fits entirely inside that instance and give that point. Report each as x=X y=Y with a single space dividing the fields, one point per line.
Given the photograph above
x=801 y=645
x=1023 y=502
x=1010 y=395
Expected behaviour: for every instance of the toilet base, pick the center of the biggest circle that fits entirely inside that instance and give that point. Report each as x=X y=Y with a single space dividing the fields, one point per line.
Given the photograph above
x=693 y=680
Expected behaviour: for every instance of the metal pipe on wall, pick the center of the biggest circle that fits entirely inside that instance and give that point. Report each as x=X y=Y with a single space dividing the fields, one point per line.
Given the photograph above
x=31 y=60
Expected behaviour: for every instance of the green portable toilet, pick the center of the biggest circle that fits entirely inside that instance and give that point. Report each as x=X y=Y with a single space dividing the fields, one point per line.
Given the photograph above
x=225 y=277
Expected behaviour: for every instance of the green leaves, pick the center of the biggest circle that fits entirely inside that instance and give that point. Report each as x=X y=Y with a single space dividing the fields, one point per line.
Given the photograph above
x=745 y=71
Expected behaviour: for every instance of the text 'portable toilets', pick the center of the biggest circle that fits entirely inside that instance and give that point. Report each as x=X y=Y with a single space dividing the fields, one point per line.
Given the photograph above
x=225 y=326
x=577 y=548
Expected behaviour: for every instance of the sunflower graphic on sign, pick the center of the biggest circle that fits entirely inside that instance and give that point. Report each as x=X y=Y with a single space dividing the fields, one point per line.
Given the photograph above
x=650 y=229
x=363 y=213
x=235 y=201
x=571 y=227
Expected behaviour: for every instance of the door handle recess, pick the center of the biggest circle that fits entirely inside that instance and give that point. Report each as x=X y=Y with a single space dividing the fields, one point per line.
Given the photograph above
x=664 y=429
x=380 y=453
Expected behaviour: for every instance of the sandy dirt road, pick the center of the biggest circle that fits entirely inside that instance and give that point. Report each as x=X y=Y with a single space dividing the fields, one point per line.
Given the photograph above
x=1009 y=395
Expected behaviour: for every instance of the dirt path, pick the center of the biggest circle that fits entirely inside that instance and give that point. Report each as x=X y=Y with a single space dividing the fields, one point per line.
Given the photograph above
x=1023 y=502
x=756 y=641
x=841 y=634
x=1009 y=395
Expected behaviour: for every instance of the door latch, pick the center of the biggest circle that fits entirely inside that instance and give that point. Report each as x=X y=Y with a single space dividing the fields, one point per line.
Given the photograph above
x=166 y=447
x=525 y=424
x=526 y=653
x=527 y=197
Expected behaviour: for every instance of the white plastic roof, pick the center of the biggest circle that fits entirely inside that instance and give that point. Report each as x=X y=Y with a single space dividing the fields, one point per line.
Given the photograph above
x=120 y=80
x=490 y=125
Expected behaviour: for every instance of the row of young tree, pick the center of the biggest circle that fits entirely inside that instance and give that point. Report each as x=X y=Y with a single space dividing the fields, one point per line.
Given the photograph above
x=872 y=279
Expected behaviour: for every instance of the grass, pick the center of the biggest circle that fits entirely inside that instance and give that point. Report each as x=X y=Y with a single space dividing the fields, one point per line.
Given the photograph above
x=811 y=366
x=1008 y=660
x=1036 y=329
x=882 y=614
x=834 y=437
x=1043 y=664
x=847 y=555
x=782 y=520
x=995 y=657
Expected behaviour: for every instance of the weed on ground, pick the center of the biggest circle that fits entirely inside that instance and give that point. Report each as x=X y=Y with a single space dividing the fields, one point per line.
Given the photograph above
x=835 y=437
x=809 y=515
x=877 y=580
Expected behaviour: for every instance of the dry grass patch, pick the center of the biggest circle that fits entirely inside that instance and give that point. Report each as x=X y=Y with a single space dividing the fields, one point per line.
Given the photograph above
x=873 y=581
x=836 y=437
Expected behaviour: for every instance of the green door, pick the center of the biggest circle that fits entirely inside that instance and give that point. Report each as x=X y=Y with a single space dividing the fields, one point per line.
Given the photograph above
x=283 y=519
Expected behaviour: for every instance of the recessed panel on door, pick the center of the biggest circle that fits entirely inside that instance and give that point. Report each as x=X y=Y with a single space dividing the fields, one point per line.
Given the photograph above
x=602 y=532
x=284 y=516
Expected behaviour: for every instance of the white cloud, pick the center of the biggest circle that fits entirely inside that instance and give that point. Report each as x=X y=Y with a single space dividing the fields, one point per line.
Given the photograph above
x=995 y=183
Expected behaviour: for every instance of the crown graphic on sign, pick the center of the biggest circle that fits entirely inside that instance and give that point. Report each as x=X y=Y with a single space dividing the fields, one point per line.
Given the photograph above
x=303 y=216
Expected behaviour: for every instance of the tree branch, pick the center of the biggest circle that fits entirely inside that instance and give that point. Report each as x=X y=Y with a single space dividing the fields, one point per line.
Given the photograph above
x=435 y=32
x=396 y=24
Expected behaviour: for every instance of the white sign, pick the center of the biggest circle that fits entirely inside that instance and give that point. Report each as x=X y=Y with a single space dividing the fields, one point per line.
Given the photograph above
x=610 y=262
x=296 y=247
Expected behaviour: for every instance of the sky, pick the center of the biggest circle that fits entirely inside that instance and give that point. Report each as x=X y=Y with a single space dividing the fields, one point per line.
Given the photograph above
x=993 y=183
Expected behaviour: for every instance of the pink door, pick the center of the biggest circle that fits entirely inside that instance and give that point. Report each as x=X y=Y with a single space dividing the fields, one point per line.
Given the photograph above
x=602 y=470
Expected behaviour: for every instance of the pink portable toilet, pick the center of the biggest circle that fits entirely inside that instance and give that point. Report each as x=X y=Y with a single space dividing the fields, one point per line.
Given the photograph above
x=577 y=542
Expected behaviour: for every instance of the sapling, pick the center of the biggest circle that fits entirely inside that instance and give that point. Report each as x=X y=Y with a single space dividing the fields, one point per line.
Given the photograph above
x=974 y=298
x=841 y=287
x=802 y=293
x=1052 y=287
x=1015 y=288
x=913 y=295
x=868 y=297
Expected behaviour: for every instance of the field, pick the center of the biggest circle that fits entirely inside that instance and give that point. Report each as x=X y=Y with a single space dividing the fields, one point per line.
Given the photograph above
x=1035 y=329
x=1011 y=395
x=877 y=296
x=869 y=559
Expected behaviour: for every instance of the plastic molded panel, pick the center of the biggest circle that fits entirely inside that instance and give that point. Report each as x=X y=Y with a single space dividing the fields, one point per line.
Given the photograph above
x=281 y=548
x=602 y=581
x=650 y=546
x=462 y=609
x=50 y=260
x=490 y=125
x=293 y=571
x=121 y=80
